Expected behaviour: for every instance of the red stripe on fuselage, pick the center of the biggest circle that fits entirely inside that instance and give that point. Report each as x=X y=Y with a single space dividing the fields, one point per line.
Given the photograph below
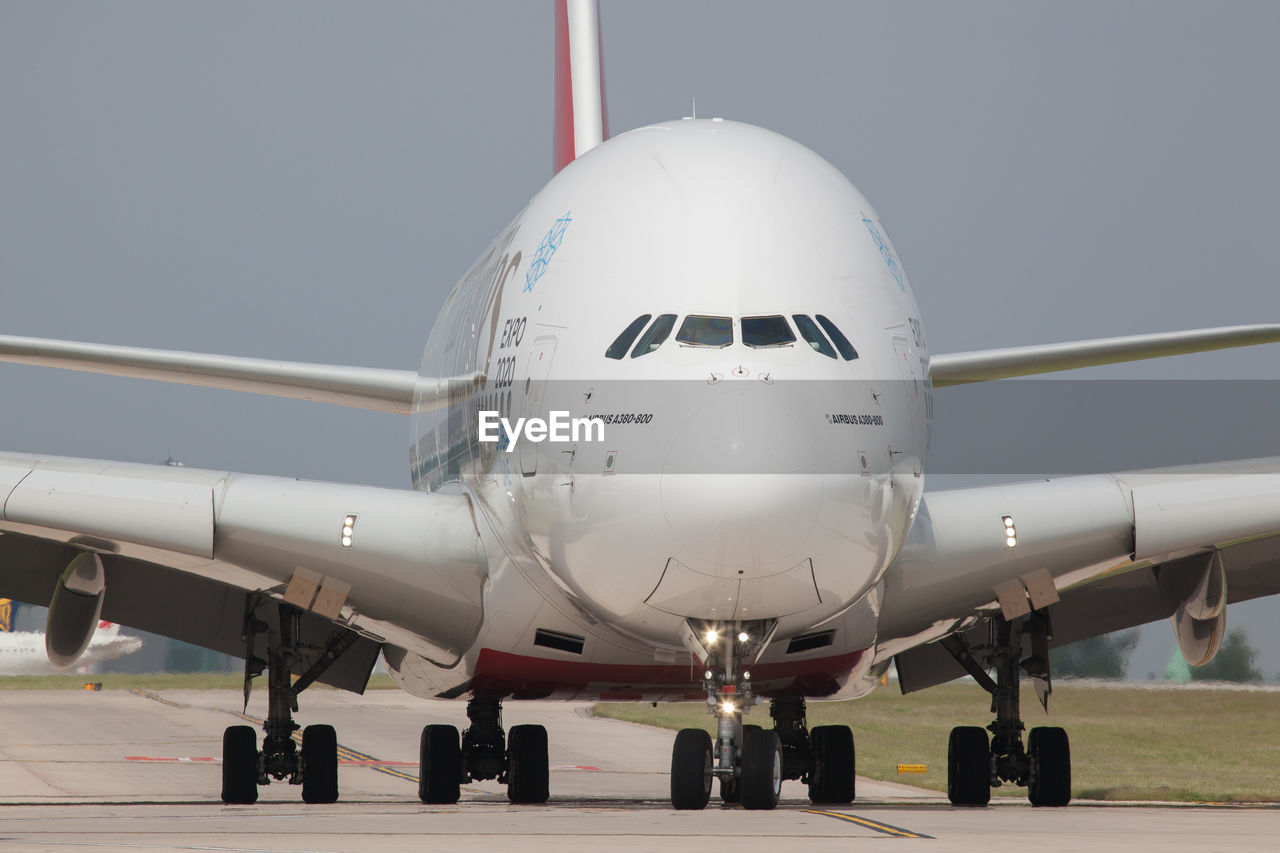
x=525 y=677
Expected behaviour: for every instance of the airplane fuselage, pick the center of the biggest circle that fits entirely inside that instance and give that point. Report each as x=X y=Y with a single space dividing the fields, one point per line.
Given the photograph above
x=741 y=476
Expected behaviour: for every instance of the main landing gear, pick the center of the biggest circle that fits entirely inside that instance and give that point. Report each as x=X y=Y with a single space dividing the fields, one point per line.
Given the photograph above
x=315 y=766
x=751 y=762
x=975 y=766
x=517 y=758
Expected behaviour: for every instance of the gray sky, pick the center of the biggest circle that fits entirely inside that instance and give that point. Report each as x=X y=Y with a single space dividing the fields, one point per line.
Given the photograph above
x=307 y=181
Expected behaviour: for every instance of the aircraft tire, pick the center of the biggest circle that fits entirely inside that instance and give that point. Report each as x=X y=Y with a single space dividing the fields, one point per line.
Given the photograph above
x=968 y=767
x=1050 y=753
x=761 y=782
x=729 y=787
x=239 y=766
x=319 y=765
x=440 y=765
x=691 y=770
x=528 y=770
x=831 y=780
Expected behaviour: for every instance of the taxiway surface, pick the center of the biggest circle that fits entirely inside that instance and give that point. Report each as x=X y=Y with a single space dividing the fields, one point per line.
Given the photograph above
x=121 y=770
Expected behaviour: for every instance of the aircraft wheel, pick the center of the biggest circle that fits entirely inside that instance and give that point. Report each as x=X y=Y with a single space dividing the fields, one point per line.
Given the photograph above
x=831 y=779
x=729 y=787
x=761 y=780
x=239 y=766
x=968 y=767
x=319 y=765
x=691 y=770
x=440 y=765
x=528 y=770
x=1050 y=754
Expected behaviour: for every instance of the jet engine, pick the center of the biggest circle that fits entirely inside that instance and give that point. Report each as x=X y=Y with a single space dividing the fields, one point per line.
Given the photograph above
x=1200 y=618
x=74 y=610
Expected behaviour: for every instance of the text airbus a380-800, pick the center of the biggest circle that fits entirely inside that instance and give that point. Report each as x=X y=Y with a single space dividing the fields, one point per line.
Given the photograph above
x=741 y=519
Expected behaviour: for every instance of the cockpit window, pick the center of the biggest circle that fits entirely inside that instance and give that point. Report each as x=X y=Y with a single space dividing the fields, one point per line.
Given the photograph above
x=623 y=342
x=700 y=331
x=771 y=331
x=813 y=335
x=655 y=335
x=841 y=342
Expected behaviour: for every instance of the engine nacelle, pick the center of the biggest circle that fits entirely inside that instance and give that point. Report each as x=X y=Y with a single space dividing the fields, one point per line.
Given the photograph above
x=1199 y=585
x=1198 y=639
x=74 y=610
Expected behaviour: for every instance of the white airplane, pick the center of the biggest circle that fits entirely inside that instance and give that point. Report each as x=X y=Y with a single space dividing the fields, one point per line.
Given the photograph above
x=26 y=652
x=750 y=526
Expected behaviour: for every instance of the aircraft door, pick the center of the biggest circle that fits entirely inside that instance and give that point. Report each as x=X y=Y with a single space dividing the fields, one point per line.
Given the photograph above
x=539 y=367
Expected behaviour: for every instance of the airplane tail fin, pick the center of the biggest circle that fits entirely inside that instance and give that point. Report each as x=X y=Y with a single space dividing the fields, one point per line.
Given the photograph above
x=581 y=119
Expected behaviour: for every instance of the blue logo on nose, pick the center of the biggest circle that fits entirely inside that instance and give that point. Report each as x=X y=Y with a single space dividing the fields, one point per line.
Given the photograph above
x=546 y=249
x=885 y=252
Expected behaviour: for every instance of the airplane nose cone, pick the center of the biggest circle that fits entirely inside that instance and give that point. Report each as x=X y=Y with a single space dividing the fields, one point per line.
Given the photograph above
x=758 y=496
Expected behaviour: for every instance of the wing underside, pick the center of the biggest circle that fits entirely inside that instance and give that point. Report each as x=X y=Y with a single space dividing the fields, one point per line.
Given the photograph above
x=1097 y=554
x=189 y=554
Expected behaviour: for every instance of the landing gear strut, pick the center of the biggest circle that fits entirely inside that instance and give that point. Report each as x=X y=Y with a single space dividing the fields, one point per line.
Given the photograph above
x=315 y=767
x=823 y=757
x=750 y=761
x=517 y=758
x=975 y=766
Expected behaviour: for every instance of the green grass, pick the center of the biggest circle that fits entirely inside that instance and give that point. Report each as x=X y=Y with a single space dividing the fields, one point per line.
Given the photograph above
x=1127 y=743
x=154 y=681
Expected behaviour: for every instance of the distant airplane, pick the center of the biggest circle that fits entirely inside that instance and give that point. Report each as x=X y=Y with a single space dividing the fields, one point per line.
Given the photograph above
x=751 y=526
x=24 y=652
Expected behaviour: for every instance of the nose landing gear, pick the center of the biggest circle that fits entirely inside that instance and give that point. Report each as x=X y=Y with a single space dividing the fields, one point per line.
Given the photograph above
x=748 y=760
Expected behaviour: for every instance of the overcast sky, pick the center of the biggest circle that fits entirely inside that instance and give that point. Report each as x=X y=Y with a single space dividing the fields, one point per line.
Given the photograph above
x=307 y=180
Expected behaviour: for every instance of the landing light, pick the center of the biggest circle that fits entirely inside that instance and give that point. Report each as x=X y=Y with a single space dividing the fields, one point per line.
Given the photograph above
x=728 y=707
x=348 y=530
x=742 y=636
x=1010 y=533
x=708 y=675
x=746 y=675
x=712 y=636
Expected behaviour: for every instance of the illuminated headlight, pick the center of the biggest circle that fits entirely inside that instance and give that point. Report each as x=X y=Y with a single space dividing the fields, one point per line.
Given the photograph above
x=746 y=675
x=729 y=707
x=742 y=637
x=708 y=675
x=712 y=636
x=348 y=530
x=1010 y=533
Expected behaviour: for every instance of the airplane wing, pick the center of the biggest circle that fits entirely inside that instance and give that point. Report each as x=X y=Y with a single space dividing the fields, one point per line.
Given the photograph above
x=983 y=365
x=1098 y=553
x=378 y=389
x=191 y=554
